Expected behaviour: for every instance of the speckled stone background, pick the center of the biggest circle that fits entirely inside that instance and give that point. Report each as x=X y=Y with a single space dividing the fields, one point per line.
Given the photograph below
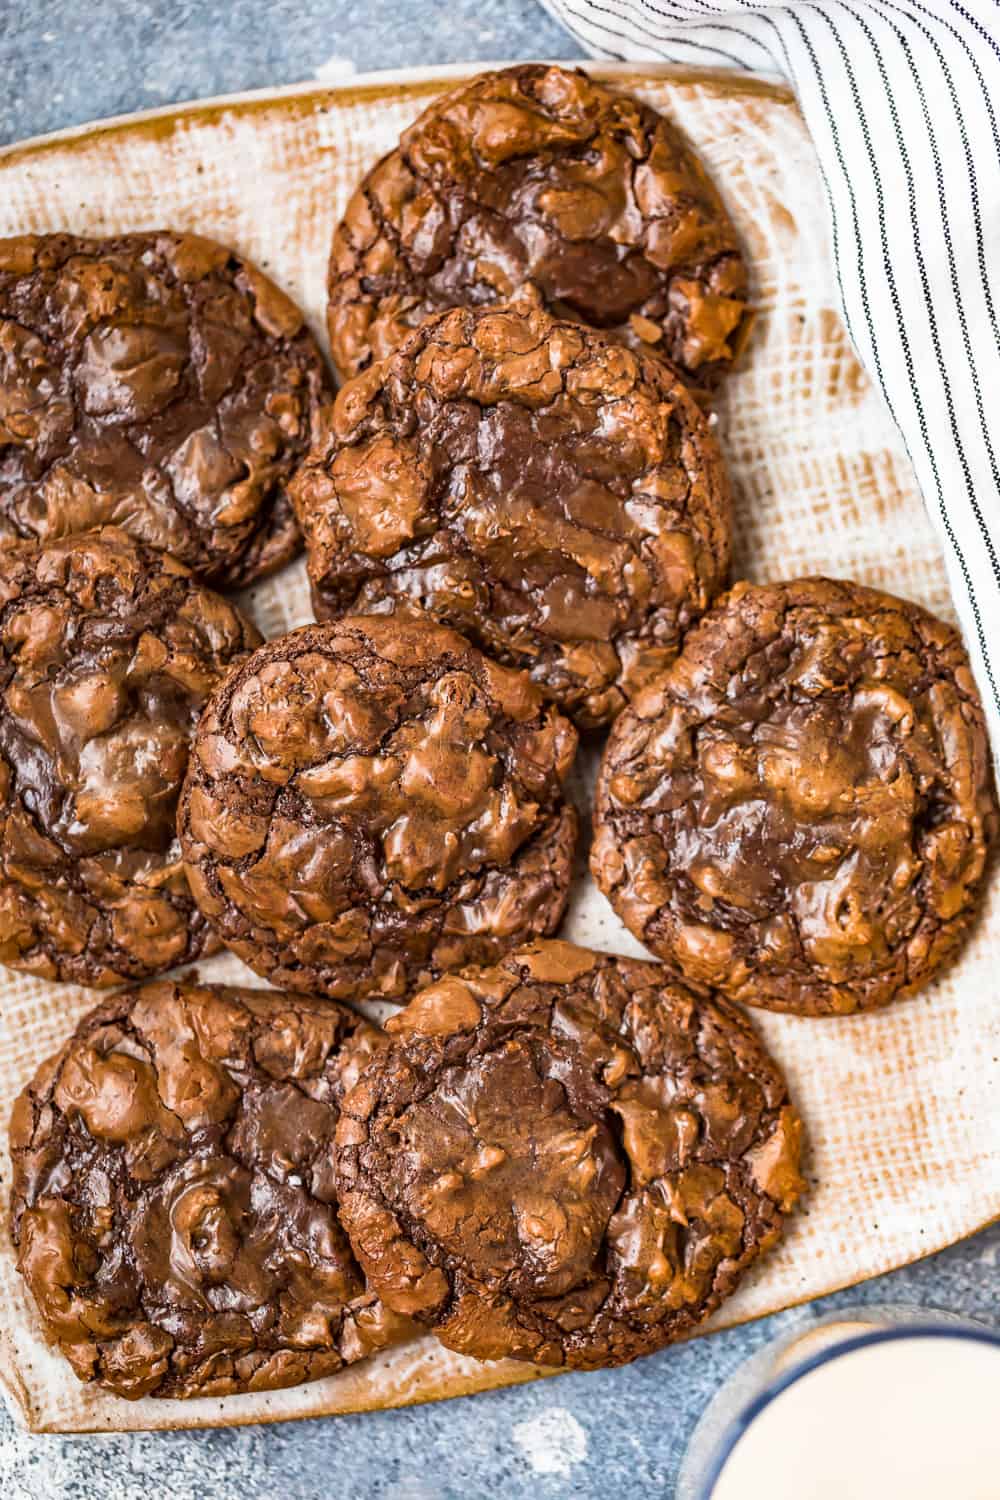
x=616 y=1432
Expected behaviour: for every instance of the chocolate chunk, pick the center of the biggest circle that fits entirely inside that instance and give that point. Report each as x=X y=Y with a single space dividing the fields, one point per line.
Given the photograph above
x=799 y=811
x=173 y=1208
x=570 y=1158
x=108 y=652
x=538 y=174
x=161 y=383
x=373 y=802
x=557 y=498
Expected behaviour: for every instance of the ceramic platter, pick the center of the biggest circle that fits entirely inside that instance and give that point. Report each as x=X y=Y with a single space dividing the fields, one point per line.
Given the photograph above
x=901 y=1107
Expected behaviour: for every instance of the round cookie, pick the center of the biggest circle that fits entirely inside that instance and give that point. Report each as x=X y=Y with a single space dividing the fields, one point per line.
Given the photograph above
x=173 y=1208
x=799 y=811
x=373 y=802
x=108 y=653
x=570 y=1158
x=539 y=174
x=557 y=498
x=158 y=382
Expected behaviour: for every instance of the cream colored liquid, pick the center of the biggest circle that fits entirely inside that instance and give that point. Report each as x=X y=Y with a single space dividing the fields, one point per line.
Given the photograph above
x=914 y=1419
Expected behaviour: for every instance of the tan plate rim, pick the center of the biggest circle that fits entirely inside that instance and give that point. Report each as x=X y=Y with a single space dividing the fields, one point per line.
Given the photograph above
x=373 y=85
x=456 y=1387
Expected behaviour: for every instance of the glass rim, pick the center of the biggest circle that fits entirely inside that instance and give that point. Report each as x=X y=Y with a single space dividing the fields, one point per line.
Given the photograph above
x=752 y=1408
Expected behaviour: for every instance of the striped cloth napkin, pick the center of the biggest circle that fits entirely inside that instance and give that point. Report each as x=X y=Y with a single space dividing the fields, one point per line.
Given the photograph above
x=902 y=102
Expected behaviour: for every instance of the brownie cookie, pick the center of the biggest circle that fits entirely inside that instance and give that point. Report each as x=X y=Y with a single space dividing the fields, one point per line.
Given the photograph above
x=159 y=382
x=555 y=497
x=373 y=802
x=173 y=1207
x=108 y=653
x=799 y=811
x=570 y=1158
x=539 y=174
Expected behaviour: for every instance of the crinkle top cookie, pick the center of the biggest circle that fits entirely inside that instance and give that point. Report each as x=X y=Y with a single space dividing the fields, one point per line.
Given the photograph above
x=569 y=1158
x=173 y=1209
x=108 y=653
x=799 y=811
x=558 y=498
x=539 y=174
x=372 y=802
x=157 y=382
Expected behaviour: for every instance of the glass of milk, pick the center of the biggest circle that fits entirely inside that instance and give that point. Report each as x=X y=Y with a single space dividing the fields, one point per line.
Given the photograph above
x=867 y=1405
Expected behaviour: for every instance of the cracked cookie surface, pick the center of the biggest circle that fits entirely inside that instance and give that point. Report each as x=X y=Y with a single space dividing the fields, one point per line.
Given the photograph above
x=108 y=653
x=539 y=174
x=799 y=812
x=173 y=1207
x=557 y=498
x=372 y=802
x=569 y=1158
x=157 y=382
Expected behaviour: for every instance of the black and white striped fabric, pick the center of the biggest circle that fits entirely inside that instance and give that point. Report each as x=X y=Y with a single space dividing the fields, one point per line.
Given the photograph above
x=903 y=102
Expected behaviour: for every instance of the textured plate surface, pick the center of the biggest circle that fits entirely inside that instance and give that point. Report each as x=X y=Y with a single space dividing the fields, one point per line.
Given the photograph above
x=902 y=1107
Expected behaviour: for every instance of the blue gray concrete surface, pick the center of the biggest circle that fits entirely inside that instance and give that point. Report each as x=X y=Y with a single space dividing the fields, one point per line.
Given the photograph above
x=617 y=1432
